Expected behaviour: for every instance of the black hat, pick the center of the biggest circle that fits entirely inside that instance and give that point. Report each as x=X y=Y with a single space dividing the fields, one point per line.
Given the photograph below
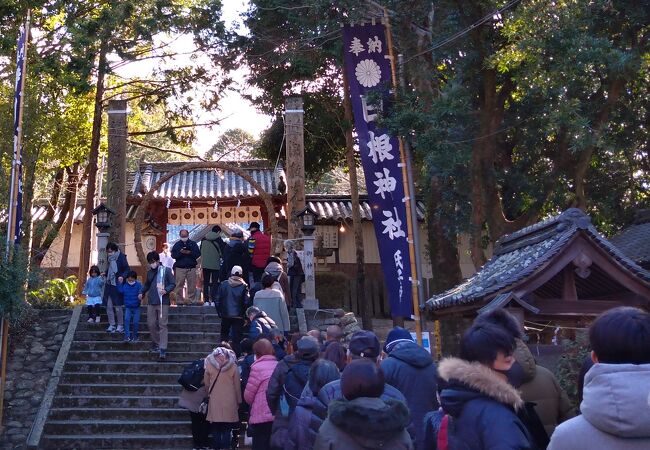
x=307 y=348
x=364 y=344
x=254 y=225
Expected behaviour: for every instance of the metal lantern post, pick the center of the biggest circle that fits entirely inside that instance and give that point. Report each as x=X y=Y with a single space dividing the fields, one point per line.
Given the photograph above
x=307 y=220
x=103 y=218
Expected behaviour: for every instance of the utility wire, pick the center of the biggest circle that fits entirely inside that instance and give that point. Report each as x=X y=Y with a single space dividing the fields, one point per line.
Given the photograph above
x=460 y=33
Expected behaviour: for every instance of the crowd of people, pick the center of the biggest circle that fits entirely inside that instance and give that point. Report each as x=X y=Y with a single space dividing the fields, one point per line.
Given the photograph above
x=299 y=394
x=295 y=391
x=236 y=274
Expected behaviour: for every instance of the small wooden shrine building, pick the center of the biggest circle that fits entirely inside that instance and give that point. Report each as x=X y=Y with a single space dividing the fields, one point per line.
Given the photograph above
x=560 y=271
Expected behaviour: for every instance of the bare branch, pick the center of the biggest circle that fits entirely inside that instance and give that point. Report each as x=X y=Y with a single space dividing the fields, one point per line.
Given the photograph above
x=174 y=127
x=176 y=152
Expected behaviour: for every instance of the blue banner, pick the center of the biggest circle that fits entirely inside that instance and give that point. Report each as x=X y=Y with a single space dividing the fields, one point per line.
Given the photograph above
x=16 y=200
x=368 y=69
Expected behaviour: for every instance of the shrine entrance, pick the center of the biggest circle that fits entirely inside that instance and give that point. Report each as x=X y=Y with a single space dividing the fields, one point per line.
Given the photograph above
x=204 y=193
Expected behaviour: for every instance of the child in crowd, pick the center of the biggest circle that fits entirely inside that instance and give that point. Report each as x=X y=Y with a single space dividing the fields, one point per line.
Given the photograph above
x=131 y=290
x=93 y=290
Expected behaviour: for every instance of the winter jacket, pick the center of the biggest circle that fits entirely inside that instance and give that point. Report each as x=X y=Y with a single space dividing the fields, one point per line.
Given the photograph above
x=411 y=370
x=271 y=302
x=260 y=325
x=211 y=251
x=275 y=269
x=294 y=265
x=259 y=248
x=232 y=298
x=110 y=287
x=185 y=260
x=542 y=388
x=94 y=286
x=332 y=391
x=191 y=400
x=365 y=423
x=291 y=374
x=255 y=393
x=235 y=254
x=226 y=394
x=306 y=420
x=245 y=363
x=150 y=287
x=615 y=411
x=482 y=406
x=130 y=293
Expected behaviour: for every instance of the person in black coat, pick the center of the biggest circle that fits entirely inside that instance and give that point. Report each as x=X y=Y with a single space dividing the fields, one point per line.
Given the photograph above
x=411 y=370
x=116 y=272
x=232 y=302
x=235 y=253
x=478 y=400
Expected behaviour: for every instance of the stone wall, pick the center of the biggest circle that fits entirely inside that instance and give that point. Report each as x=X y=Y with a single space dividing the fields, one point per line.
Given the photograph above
x=347 y=321
x=33 y=351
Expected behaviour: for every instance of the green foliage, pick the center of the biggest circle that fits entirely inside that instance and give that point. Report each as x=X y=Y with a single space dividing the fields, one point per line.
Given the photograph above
x=570 y=364
x=56 y=293
x=235 y=143
x=13 y=280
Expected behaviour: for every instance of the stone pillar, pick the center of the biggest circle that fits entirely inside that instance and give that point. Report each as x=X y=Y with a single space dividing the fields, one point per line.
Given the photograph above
x=295 y=162
x=117 y=175
x=310 y=302
x=102 y=258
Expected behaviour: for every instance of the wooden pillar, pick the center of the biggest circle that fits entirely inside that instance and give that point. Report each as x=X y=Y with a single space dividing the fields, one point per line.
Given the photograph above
x=294 y=131
x=116 y=177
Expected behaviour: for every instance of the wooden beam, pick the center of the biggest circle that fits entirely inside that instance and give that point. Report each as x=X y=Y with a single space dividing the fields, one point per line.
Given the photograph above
x=569 y=291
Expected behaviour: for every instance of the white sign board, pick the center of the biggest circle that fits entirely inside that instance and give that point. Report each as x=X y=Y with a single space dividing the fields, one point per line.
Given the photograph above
x=426 y=340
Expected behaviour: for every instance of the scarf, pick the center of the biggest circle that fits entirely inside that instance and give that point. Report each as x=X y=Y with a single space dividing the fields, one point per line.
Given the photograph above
x=231 y=359
x=112 y=267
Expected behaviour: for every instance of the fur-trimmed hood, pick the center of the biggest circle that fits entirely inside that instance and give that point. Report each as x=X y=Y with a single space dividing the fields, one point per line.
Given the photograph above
x=370 y=421
x=469 y=380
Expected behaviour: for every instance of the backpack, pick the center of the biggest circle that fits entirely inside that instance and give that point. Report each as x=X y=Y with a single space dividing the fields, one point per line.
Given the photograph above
x=192 y=376
x=295 y=381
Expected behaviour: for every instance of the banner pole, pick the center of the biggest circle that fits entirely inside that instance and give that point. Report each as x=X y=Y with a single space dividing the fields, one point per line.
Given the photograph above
x=21 y=66
x=410 y=196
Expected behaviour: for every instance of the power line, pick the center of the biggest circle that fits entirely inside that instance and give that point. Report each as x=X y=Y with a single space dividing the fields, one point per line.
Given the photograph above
x=460 y=33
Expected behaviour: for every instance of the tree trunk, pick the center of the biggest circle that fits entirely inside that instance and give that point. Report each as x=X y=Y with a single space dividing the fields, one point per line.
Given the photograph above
x=443 y=249
x=45 y=234
x=73 y=188
x=366 y=317
x=91 y=170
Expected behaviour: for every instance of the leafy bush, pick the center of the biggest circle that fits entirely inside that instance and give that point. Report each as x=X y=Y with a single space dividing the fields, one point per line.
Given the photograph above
x=14 y=275
x=570 y=363
x=56 y=293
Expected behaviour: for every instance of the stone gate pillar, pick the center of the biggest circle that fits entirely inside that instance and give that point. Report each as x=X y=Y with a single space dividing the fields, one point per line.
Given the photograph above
x=116 y=175
x=295 y=170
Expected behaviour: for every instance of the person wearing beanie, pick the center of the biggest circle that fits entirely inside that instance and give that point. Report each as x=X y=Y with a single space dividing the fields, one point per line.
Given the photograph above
x=362 y=420
x=259 y=249
x=363 y=345
x=235 y=254
x=410 y=368
x=287 y=382
x=231 y=305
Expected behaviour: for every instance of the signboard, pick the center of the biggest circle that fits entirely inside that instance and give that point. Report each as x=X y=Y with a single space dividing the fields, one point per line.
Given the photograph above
x=368 y=70
x=329 y=235
x=426 y=340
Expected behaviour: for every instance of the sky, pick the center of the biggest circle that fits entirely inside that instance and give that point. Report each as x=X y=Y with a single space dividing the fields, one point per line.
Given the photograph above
x=235 y=111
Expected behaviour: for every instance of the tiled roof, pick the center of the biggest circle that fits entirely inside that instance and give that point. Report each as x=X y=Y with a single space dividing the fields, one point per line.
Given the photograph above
x=339 y=207
x=204 y=184
x=634 y=240
x=523 y=253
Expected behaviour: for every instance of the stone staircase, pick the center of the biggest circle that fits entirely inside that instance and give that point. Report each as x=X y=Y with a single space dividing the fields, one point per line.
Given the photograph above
x=117 y=395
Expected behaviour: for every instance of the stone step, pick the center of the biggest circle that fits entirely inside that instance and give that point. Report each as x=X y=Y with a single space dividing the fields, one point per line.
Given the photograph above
x=108 y=427
x=116 y=401
x=144 y=390
x=125 y=366
x=131 y=355
x=118 y=441
x=120 y=377
x=119 y=413
x=176 y=336
x=141 y=345
x=172 y=326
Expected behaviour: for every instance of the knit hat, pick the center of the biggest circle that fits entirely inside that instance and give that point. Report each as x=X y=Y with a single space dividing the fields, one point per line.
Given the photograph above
x=364 y=344
x=307 y=348
x=237 y=234
x=395 y=336
x=236 y=270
